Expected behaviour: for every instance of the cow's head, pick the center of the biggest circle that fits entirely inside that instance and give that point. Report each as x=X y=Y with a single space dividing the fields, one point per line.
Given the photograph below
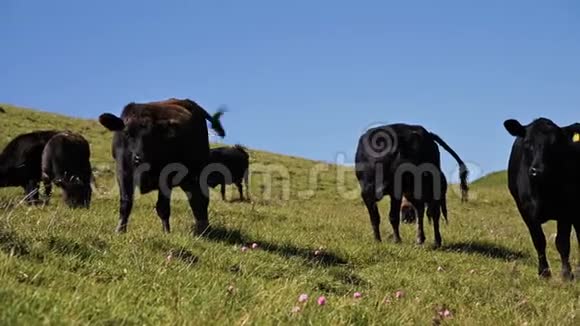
x=77 y=191
x=137 y=134
x=544 y=145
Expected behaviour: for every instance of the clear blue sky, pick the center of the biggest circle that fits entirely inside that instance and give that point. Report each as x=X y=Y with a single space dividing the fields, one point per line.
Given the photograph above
x=304 y=77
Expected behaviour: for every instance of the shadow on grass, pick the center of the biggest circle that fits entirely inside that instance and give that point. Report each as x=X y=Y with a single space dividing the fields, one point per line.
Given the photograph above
x=239 y=201
x=11 y=244
x=70 y=247
x=485 y=249
x=236 y=237
x=175 y=252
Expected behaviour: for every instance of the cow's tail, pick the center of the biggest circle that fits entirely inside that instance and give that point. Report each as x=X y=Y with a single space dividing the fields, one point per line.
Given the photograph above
x=215 y=121
x=463 y=171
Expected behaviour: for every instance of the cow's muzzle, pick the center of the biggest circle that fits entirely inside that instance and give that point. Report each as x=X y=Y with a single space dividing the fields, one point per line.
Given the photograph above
x=137 y=160
x=535 y=172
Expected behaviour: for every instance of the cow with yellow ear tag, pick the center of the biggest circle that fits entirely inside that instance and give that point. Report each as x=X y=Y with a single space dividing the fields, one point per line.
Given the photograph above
x=544 y=180
x=573 y=132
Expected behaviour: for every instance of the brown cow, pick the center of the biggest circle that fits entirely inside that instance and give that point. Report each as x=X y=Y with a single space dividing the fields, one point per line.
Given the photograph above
x=153 y=141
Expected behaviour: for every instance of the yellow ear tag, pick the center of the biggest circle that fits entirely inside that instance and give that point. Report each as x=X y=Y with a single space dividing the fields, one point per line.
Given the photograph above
x=576 y=137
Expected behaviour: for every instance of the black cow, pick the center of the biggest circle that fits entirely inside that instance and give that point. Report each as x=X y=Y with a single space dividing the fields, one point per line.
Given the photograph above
x=232 y=165
x=544 y=179
x=66 y=162
x=403 y=161
x=20 y=162
x=155 y=140
x=409 y=212
x=2 y=110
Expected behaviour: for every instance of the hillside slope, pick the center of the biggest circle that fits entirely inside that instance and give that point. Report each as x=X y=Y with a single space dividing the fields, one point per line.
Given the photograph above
x=495 y=179
x=59 y=266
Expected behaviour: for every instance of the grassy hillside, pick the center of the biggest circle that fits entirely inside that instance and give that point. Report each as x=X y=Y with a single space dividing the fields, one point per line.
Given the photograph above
x=59 y=266
x=496 y=179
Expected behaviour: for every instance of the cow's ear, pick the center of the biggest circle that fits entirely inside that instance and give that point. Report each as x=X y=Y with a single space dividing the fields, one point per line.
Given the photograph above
x=572 y=132
x=111 y=122
x=515 y=128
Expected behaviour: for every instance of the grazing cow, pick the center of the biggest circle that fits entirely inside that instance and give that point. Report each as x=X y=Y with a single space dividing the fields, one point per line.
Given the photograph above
x=66 y=163
x=2 y=110
x=403 y=162
x=20 y=162
x=155 y=140
x=544 y=179
x=232 y=168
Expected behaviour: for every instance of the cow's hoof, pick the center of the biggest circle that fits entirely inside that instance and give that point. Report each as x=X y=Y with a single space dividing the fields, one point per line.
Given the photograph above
x=201 y=228
x=546 y=274
x=397 y=240
x=437 y=245
x=420 y=241
x=567 y=276
x=121 y=229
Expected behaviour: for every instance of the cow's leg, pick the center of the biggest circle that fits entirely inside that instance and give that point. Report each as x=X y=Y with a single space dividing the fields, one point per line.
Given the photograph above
x=126 y=193
x=163 y=208
x=539 y=240
x=395 y=218
x=240 y=190
x=47 y=181
x=47 y=190
x=374 y=214
x=199 y=202
x=31 y=190
x=247 y=184
x=563 y=245
x=223 y=191
x=577 y=231
x=420 y=209
x=434 y=213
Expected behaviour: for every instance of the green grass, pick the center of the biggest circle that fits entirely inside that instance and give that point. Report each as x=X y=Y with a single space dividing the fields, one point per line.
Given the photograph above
x=496 y=179
x=59 y=266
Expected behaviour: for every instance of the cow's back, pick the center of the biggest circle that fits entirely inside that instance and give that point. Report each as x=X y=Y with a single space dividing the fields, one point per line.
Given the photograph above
x=157 y=112
x=236 y=160
x=68 y=152
x=21 y=158
x=391 y=148
x=395 y=144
